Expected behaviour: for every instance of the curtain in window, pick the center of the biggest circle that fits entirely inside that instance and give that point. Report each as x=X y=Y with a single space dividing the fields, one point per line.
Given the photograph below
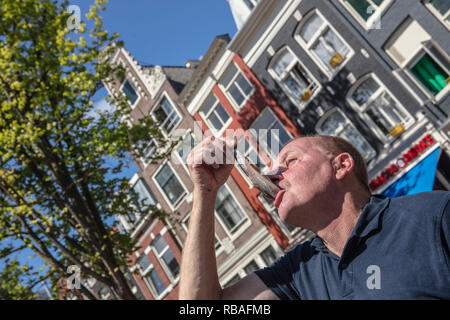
x=282 y=63
x=328 y=46
x=363 y=93
x=311 y=27
x=430 y=74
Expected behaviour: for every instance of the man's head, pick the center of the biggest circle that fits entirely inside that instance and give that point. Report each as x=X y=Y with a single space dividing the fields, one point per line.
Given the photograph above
x=315 y=173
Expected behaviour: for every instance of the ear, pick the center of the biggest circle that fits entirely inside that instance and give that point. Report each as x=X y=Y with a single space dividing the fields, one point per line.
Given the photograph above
x=342 y=164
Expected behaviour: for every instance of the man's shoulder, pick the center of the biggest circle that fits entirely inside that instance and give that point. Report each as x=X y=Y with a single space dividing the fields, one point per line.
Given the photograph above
x=416 y=205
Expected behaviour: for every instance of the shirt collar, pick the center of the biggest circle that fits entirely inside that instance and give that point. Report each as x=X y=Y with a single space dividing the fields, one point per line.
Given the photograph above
x=369 y=220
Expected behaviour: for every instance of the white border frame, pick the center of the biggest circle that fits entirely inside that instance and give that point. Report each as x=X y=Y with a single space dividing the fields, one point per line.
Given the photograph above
x=374 y=18
x=226 y=90
x=386 y=139
x=180 y=200
x=444 y=19
x=301 y=105
x=225 y=126
x=132 y=106
x=308 y=46
x=157 y=104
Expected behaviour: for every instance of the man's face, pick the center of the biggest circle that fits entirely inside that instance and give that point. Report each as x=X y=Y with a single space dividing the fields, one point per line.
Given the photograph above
x=305 y=176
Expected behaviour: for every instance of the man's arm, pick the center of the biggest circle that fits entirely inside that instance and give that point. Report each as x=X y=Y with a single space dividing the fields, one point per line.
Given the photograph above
x=198 y=275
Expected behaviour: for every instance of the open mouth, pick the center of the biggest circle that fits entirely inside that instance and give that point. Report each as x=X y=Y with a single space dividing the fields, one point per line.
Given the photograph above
x=279 y=198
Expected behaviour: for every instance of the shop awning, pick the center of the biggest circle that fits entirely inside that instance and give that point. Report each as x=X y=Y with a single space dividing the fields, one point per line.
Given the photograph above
x=418 y=179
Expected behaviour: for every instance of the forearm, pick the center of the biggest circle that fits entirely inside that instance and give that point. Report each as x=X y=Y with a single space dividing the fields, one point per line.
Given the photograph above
x=199 y=278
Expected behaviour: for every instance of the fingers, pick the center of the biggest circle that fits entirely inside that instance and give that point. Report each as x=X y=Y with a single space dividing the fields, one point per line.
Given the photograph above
x=213 y=152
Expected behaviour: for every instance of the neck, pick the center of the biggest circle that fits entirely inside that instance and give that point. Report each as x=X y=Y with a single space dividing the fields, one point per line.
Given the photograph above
x=336 y=232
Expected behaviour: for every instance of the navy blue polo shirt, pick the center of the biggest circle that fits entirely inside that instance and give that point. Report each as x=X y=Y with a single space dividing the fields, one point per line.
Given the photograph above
x=399 y=249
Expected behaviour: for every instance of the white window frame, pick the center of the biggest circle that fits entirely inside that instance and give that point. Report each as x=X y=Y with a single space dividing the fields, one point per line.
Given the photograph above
x=161 y=261
x=179 y=159
x=151 y=286
x=361 y=109
x=418 y=54
x=315 y=85
x=269 y=152
x=132 y=106
x=181 y=198
x=374 y=18
x=254 y=3
x=318 y=34
x=241 y=226
x=445 y=19
x=205 y=116
x=157 y=105
x=142 y=159
x=348 y=123
x=233 y=80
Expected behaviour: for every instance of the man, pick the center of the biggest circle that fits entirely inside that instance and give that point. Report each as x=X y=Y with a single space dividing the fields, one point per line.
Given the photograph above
x=367 y=246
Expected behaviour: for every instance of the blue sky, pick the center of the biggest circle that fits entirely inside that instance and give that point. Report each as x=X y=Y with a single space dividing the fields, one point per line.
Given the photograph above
x=161 y=32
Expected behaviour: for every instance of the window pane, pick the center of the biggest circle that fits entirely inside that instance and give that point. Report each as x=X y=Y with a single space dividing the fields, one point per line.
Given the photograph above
x=209 y=104
x=222 y=113
x=282 y=63
x=329 y=47
x=236 y=94
x=166 y=115
x=170 y=184
x=333 y=124
x=244 y=85
x=144 y=262
x=269 y=256
x=363 y=7
x=159 y=243
x=228 y=209
x=430 y=74
x=129 y=91
x=441 y=5
x=214 y=121
x=156 y=281
x=354 y=137
x=141 y=195
x=185 y=147
x=171 y=263
x=251 y=267
x=311 y=27
x=379 y=119
x=365 y=91
x=229 y=75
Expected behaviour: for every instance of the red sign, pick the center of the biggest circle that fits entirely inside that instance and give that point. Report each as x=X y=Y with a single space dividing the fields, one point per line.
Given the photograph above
x=402 y=162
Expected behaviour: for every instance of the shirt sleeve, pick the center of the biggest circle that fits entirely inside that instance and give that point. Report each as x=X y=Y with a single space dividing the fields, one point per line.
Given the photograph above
x=445 y=231
x=280 y=276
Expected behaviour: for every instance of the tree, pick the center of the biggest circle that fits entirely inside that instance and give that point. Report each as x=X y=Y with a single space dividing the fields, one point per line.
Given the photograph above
x=60 y=161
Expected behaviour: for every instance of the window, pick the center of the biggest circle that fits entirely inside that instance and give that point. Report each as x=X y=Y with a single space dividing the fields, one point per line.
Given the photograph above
x=293 y=77
x=251 y=4
x=440 y=8
x=420 y=58
x=249 y=152
x=432 y=70
x=148 y=151
x=215 y=114
x=129 y=92
x=185 y=146
x=165 y=255
x=336 y=124
x=169 y=184
x=154 y=281
x=228 y=210
x=385 y=115
x=269 y=256
x=278 y=135
x=251 y=267
x=236 y=86
x=366 y=12
x=323 y=42
x=144 y=262
x=166 y=115
x=141 y=195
